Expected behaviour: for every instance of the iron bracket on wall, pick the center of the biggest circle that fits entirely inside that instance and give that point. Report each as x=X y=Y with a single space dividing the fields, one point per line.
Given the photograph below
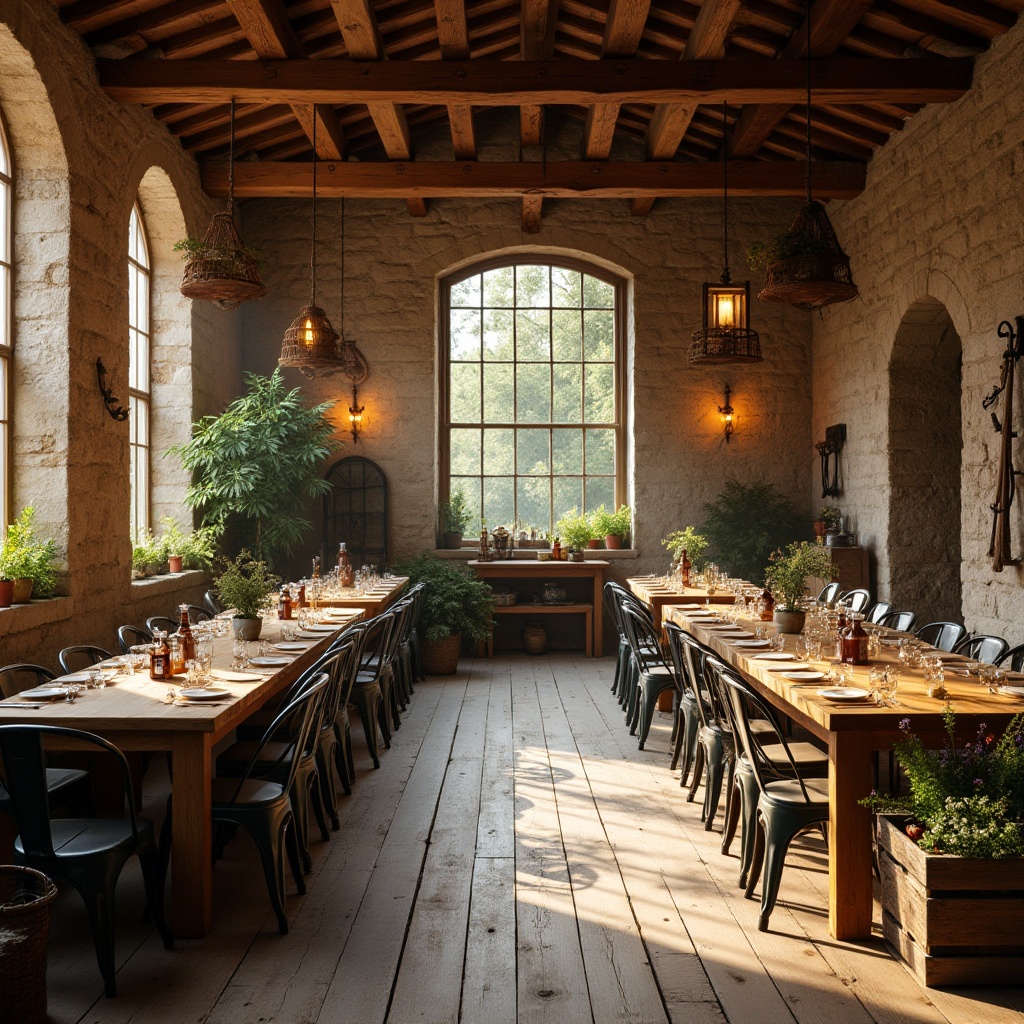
x=110 y=400
x=829 y=449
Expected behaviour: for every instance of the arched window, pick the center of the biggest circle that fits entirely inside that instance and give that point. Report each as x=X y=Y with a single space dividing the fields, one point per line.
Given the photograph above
x=533 y=405
x=139 y=387
x=6 y=322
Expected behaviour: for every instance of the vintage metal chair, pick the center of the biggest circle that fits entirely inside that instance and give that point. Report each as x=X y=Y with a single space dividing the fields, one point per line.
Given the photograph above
x=902 y=621
x=130 y=636
x=878 y=611
x=942 y=635
x=23 y=676
x=162 y=622
x=983 y=647
x=1013 y=659
x=684 y=747
x=654 y=674
x=829 y=593
x=82 y=655
x=855 y=600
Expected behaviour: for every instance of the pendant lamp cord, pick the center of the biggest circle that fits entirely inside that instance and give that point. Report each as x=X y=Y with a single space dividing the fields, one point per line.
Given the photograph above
x=312 y=248
x=809 y=5
x=726 y=276
x=231 y=159
x=343 y=270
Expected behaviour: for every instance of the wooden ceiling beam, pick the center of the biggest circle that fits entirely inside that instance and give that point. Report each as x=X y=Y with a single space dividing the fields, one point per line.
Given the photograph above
x=537 y=22
x=572 y=179
x=453 y=38
x=831 y=22
x=978 y=16
x=532 y=209
x=505 y=83
x=622 y=31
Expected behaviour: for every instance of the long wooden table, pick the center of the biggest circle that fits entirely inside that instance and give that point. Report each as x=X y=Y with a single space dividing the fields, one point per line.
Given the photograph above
x=852 y=733
x=133 y=715
x=372 y=602
x=658 y=596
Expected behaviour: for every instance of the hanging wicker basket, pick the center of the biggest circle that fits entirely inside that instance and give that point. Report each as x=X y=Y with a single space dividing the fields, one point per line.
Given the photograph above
x=222 y=270
x=815 y=279
x=25 y=898
x=311 y=344
x=714 y=345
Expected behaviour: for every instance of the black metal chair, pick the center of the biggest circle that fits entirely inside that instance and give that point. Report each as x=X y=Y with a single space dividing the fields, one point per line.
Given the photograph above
x=1013 y=659
x=81 y=655
x=684 y=740
x=162 y=622
x=902 y=621
x=367 y=693
x=983 y=647
x=262 y=806
x=196 y=613
x=855 y=600
x=944 y=636
x=23 y=676
x=88 y=853
x=131 y=636
x=878 y=611
x=829 y=593
x=654 y=675
x=213 y=603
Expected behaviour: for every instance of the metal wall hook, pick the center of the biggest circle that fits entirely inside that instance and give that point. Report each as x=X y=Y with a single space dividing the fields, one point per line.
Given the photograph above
x=110 y=400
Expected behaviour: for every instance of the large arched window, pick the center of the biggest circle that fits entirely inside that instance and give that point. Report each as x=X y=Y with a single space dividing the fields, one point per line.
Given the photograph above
x=6 y=322
x=139 y=387
x=533 y=396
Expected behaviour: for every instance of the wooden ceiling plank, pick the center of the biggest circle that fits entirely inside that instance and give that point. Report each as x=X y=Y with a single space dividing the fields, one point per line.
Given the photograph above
x=503 y=83
x=885 y=12
x=831 y=22
x=330 y=139
x=453 y=38
x=985 y=19
x=538 y=20
x=89 y=15
x=158 y=22
x=580 y=179
x=531 y=125
x=532 y=209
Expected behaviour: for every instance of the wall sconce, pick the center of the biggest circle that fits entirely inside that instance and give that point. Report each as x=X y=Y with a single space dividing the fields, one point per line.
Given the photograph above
x=110 y=400
x=727 y=411
x=355 y=414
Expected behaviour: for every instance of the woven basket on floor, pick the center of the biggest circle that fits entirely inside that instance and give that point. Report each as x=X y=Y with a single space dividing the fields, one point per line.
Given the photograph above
x=441 y=657
x=535 y=638
x=25 y=898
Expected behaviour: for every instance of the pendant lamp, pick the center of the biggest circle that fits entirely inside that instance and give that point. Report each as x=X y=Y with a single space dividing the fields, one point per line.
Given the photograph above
x=222 y=269
x=310 y=343
x=726 y=336
x=818 y=273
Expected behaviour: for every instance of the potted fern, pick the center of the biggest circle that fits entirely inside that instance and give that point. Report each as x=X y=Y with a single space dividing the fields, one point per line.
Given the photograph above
x=455 y=517
x=28 y=564
x=613 y=526
x=690 y=541
x=575 y=529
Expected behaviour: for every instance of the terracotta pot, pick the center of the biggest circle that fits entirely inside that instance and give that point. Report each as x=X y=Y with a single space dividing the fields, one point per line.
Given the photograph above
x=247 y=629
x=820 y=526
x=594 y=544
x=6 y=593
x=453 y=540
x=789 y=622
x=441 y=657
x=23 y=591
x=613 y=541
x=174 y=563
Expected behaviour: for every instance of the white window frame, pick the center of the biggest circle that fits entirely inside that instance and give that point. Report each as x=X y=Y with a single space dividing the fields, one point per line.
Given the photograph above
x=140 y=347
x=6 y=320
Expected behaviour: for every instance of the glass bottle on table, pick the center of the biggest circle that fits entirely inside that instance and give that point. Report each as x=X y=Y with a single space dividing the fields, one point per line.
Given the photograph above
x=855 y=642
x=284 y=604
x=159 y=657
x=840 y=632
x=766 y=602
x=176 y=657
x=685 y=565
x=187 y=638
x=346 y=575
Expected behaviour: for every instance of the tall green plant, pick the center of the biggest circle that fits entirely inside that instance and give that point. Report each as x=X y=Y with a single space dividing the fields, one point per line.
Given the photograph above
x=22 y=556
x=455 y=600
x=256 y=465
x=745 y=524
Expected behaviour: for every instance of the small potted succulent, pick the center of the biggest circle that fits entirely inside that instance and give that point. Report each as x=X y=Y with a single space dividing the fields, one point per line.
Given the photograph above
x=455 y=517
x=575 y=530
x=786 y=578
x=243 y=586
x=27 y=564
x=613 y=526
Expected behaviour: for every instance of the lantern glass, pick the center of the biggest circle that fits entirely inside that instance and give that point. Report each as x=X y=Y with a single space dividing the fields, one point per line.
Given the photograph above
x=726 y=305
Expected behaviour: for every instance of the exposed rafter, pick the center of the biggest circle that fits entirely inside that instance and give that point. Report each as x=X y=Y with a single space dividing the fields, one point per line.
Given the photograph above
x=537 y=22
x=453 y=37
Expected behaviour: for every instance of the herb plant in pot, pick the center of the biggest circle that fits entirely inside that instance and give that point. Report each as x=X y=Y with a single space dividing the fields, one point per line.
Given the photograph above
x=243 y=585
x=613 y=526
x=455 y=517
x=575 y=530
x=27 y=563
x=690 y=541
x=786 y=577
x=455 y=604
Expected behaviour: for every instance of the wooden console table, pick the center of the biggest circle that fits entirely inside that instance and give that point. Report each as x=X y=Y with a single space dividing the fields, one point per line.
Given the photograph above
x=538 y=573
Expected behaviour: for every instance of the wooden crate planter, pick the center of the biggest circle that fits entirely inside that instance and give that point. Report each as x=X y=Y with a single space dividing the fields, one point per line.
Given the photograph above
x=952 y=920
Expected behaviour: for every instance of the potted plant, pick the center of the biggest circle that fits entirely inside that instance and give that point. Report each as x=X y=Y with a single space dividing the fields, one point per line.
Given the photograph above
x=786 y=577
x=745 y=523
x=613 y=526
x=827 y=522
x=221 y=267
x=455 y=604
x=148 y=556
x=690 y=541
x=952 y=844
x=181 y=550
x=244 y=585
x=575 y=530
x=455 y=517
x=28 y=564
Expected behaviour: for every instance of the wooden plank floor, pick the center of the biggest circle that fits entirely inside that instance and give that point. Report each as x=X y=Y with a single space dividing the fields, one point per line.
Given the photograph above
x=515 y=858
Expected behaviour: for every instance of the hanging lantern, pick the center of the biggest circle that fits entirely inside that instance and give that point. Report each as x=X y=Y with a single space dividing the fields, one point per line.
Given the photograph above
x=725 y=336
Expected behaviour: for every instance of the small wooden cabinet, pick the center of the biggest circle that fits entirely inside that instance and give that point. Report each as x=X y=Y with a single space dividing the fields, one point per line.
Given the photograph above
x=583 y=582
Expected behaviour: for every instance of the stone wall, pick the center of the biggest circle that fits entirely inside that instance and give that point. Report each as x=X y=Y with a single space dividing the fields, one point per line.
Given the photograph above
x=393 y=267
x=80 y=161
x=941 y=219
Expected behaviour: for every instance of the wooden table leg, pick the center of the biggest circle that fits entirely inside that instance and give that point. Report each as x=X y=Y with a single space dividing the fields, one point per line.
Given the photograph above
x=598 y=617
x=191 y=868
x=849 y=836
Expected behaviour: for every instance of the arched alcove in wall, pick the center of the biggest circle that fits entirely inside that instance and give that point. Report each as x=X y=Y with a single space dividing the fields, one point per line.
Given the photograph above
x=925 y=454
x=41 y=210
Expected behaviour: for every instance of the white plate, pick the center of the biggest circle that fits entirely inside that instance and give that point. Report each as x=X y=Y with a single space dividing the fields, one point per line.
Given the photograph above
x=775 y=656
x=844 y=693
x=203 y=693
x=73 y=677
x=235 y=677
x=751 y=643
x=270 y=662
x=805 y=675
x=320 y=629
x=291 y=645
x=692 y=608
x=43 y=693
x=790 y=666
x=1011 y=691
x=732 y=634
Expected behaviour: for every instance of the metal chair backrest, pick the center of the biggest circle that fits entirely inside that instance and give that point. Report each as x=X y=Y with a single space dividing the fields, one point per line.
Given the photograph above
x=677 y=651
x=878 y=612
x=983 y=647
x=829 y=593
x=299 y=720
x=162 y=622
x=642 y=639
x=24 y=777
x=903 y=621
x=22 y=676
x=695 y=658
x=942 y=635
x=855 y=600
x=196 y=613
x=88 y=652
x=612 y=605
x=213 y=603
x=377 y=643
x=130 y=636
x=1013 y=659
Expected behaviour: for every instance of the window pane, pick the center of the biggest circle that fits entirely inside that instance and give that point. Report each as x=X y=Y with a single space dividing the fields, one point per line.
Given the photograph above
x=498 y=337
x=467 y=292
x=533 y=335
x=568 y=380
x=465 y=334
x=567 y=450
x=532 y=286
x=498 y=286
x=5 y=313
x=600 y=451
x=499 y=501
x=600 y=491
x=532 y=452
x=499 y=398
x=567 y=333
x=533 y=393
x=598 y=335
x=599 y=394
x=597 y=294
x=465 y=400
x=566 y=287
x=499 y=452
x=465 y=451
x=533 y=502
x=567 y=494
